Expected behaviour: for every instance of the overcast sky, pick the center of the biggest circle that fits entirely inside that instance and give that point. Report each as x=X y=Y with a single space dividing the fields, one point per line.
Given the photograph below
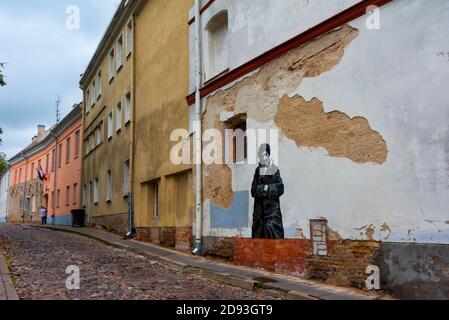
x=44 y=59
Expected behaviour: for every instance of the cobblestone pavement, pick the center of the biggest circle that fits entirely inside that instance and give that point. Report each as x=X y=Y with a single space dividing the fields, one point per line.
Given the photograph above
x=39 y=259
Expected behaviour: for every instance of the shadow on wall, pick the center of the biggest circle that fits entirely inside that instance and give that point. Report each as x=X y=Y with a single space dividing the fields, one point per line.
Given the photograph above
x=415 y=271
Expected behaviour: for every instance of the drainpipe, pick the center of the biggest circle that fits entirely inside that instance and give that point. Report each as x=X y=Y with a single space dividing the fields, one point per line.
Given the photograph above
x=131 y=232
x=24 y=187
x=54 y=162
x=8 y=190
x=198 y=133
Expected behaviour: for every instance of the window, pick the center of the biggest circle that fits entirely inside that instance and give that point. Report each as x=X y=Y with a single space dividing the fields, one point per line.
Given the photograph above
x=58 y=200
x=15 y=177
x=88 y=99
x=67 y=196
x=39 y=164
x=119 y=52
x=216 y=57
x=67 y=151
x=99 y=134
x=127 y=108
x=75 y=193
x=53 y=160
x=93 y=95
x=47 y=160
x=60 y=156
x=77 y=144
x=84 y=195
x=236 y=142
x=96 y=191
x=109 y=186
x=32 y=171
x=92 y=141
x=129 y=38
x=99 y=88
x=20 y=175
x=110 y=125
x=126 y=178
x=118 y=117
x=156 y=200
x=111 y=64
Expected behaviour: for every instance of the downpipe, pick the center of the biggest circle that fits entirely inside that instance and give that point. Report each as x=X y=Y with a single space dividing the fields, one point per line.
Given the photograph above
x=198 y=133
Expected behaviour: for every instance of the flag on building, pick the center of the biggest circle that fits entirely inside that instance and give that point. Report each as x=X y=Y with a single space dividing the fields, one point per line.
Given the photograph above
x=41 y=174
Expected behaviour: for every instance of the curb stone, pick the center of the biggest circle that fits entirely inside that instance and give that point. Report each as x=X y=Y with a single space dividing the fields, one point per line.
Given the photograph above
x=7 y=289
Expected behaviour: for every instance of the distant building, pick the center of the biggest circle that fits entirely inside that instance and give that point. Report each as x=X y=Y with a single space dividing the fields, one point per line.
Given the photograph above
x=134 y=93
x=56 y=154
x=4 y=190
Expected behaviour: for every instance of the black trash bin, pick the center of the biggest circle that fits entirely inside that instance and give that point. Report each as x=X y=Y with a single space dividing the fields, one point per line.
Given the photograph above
x=78 y=216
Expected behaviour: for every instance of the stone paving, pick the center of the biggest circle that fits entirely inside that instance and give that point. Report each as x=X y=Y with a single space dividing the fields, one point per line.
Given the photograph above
x=39 y=258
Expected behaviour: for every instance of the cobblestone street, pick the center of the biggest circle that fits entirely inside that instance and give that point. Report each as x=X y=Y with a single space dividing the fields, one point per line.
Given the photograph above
x=39 y=258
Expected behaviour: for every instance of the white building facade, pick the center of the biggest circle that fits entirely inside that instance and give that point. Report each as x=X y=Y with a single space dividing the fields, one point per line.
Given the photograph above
x=4 y=191
x=355 y=93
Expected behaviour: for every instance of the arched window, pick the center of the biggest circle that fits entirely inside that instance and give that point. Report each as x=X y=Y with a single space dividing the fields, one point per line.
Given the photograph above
x=216 y=45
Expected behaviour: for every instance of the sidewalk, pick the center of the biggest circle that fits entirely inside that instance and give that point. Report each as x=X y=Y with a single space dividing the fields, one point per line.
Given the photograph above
x=7 y=290
x=242 y=277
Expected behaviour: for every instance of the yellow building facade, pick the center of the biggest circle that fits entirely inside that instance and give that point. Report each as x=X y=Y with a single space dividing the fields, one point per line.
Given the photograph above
x=134 y=93
x=163 y=191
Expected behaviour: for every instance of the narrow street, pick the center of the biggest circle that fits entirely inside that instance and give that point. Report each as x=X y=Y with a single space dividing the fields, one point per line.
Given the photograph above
x=39 y=259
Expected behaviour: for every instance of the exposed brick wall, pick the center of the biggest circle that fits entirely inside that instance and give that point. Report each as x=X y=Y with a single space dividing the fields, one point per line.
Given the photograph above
x=219 y=247
x=282 y=256
x=345 y=265
x=184 y=238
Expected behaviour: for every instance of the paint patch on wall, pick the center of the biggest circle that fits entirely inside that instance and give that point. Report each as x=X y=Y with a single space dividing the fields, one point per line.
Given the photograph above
x=218 y=185
x=309 y=125
x=233 y=218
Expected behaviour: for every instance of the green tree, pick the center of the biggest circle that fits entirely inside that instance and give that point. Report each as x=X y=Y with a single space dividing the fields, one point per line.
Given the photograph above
x=2 y=80
x=3 y=163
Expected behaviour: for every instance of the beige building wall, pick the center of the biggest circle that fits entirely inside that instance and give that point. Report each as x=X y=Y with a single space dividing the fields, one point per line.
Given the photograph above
x=162 y=69
x=108 y=153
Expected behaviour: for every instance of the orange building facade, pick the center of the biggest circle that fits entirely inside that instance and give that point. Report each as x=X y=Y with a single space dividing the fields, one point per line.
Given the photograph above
x=56 y=153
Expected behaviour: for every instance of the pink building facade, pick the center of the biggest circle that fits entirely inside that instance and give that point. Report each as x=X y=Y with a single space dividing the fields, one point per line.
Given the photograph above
x=57 y=153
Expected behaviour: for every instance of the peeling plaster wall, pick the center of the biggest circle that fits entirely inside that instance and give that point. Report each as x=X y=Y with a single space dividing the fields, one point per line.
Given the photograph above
x=257 y=26
x=396 y=79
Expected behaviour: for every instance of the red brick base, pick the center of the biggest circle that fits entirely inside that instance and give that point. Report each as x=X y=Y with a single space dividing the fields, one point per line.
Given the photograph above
x=281 y=256
x=344 y=265
x=184 y=238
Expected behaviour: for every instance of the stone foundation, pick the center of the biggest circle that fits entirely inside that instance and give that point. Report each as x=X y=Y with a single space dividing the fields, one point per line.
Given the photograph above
x=219 y=247
x=407 y=270
x=180 y=237
x=184 y=238
x=116 y=223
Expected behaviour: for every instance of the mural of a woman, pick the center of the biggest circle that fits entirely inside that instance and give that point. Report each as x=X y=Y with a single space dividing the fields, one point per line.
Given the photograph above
x=267 y=188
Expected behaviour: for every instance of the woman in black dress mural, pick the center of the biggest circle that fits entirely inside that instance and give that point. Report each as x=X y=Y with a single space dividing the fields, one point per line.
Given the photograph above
x=267 y=189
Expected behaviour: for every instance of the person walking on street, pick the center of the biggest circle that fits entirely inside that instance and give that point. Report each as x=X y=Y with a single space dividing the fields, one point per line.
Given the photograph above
x=43 y=214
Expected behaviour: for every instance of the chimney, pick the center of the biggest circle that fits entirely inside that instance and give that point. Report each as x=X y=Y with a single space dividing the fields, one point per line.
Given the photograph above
x=40 y=131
